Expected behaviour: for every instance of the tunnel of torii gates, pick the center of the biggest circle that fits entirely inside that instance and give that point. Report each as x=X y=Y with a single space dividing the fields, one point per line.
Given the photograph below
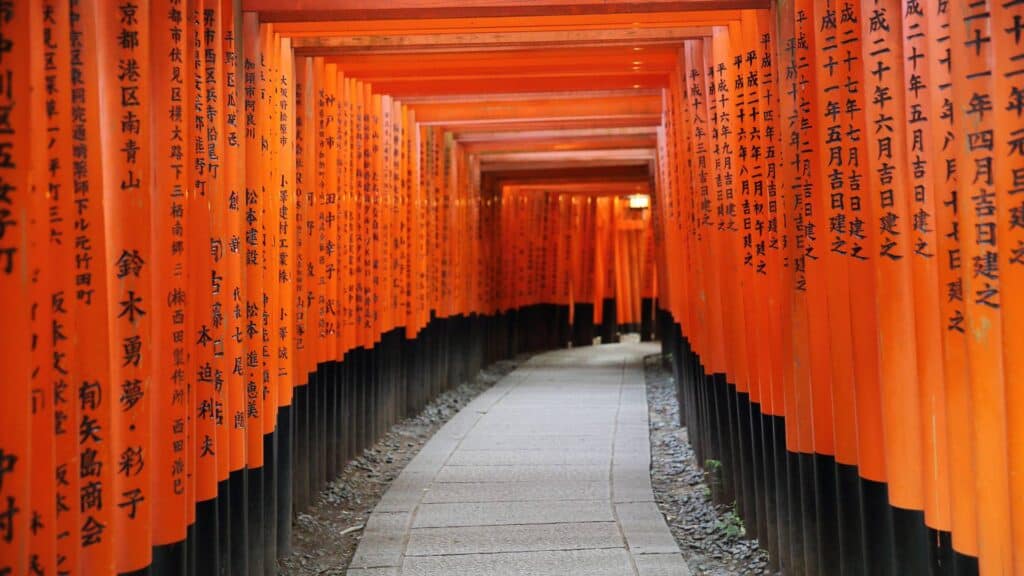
x=239 y=239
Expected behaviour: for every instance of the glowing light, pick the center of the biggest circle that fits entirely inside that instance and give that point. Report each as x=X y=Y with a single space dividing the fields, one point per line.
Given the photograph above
x=639 y=201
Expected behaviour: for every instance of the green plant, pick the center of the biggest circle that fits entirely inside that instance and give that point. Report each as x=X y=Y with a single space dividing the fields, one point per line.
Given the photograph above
x=732 y=524
x=713 y=478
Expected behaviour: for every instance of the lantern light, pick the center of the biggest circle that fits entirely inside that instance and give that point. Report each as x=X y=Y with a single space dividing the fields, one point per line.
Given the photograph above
x=639 y=201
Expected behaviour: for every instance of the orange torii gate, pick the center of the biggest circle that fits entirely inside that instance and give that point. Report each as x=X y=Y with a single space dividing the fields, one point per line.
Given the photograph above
x=239 y=240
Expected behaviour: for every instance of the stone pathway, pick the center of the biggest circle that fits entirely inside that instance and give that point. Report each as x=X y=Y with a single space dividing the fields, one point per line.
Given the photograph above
x=545 y=473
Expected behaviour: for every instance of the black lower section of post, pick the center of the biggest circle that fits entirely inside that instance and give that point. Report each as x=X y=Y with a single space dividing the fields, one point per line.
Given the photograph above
x=254 y=507
x=283 y=465
x=648 y=320
x=583 y=324
x=239 y=523
x=224 y=527
x=815 y=516
x=170 y=560
x=850 y=521
x=207 y=540
x=609 y=322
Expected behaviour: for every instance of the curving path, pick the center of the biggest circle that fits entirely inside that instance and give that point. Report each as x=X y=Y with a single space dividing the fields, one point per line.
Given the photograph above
x=545 y=473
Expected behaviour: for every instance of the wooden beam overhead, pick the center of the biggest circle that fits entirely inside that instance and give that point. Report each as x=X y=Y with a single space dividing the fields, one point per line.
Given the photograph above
x=304 y=10
x=627 y=155
x=528 y=72
x=603 y=184
x=557 y=135
x=539 y=109
x=598 y=122
x=518 y=61
x=521 y=96
x=477 y=41
x=561 y=144
x=512 y=84
x=503 y=23
x=594 y=188
x=526 y=166
x=571 y=174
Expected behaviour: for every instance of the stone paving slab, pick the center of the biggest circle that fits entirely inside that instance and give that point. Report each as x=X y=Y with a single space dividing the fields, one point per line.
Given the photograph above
x=522 y=473
x=548 y=443
x=642 y=535
x=539 y=418
x=592 y=457
x=462 y=423
x=631 y=486
x=546 y=428
x=382 y=543
x=502 y=513
x=513 y=538
x=545 y=474
x=516 y=491
x=611 y=562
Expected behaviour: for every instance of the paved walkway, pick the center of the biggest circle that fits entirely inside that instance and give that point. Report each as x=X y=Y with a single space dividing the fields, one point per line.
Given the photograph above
x=545 y=473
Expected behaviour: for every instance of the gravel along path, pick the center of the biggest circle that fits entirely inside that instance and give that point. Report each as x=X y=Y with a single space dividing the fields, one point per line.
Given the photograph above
x=325 y=537
x=710 y=536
